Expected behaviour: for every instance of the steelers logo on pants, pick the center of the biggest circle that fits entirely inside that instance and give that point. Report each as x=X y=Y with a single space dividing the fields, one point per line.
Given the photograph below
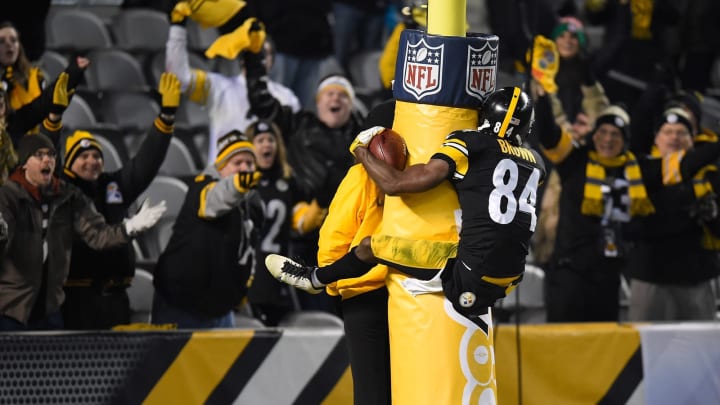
x=467 y=299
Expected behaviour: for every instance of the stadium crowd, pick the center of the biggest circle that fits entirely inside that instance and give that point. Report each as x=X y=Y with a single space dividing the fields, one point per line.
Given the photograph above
x=626 y=122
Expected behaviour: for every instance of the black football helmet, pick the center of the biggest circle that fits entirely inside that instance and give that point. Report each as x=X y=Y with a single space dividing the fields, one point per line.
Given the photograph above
x=508 y=114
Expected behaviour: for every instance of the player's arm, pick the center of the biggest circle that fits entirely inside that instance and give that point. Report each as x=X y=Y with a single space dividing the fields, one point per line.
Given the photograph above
x=414 y=179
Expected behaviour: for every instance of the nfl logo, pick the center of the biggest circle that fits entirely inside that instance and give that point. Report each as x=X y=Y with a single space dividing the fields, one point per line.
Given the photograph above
x=422 y=69
x=481 y=71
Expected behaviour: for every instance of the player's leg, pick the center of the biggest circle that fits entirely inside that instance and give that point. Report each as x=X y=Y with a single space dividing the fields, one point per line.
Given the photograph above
x=358 y=261
x=366 y=333
x=472 y=292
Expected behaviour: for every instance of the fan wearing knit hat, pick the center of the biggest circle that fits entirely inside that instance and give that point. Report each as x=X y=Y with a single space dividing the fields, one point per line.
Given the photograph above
x=202 y=274
x=39 y=171
x=235 y=154
x=580 y=97
x=609 y=140
x=95 y=290
x=83 y=156
x=672 y=278
x=569 y=27
x=334 y=99
x=603 y=192
x=270 y=149
x=673 y=132
x=611 y=132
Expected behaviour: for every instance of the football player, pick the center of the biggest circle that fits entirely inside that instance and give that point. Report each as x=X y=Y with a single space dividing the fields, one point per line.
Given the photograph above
x=496 y=178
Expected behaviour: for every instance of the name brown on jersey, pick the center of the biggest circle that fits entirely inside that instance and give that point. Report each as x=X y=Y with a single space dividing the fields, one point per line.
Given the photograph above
x=523 y=153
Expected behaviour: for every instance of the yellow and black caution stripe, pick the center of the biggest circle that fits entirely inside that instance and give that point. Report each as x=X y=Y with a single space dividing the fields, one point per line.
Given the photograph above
x=589 y=363
x=241 y=371
x=607 y=356
x=263 y=366
x=626 y=382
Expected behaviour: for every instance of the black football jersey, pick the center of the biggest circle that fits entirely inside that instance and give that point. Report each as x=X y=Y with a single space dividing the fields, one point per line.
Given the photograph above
x=496 y=184
x=279 y=196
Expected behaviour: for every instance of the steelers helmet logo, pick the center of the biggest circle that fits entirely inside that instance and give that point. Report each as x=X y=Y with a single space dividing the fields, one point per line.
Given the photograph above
x=85 y=143
x=467 y=299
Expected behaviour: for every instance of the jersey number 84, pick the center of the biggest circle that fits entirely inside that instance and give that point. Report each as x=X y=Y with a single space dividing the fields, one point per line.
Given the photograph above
x=507 y=169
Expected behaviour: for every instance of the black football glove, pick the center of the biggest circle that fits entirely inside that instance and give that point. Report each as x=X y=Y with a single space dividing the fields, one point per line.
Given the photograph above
x=245 y=181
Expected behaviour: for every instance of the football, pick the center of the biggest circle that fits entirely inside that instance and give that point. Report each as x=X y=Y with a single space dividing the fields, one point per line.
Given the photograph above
x=390 y=147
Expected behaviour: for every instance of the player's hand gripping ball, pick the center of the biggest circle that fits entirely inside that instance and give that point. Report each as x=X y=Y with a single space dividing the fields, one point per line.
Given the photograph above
x=390 y=147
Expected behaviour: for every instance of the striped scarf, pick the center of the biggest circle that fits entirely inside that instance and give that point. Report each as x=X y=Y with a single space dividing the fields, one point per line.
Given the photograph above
x=703 y=187
x=595 y=177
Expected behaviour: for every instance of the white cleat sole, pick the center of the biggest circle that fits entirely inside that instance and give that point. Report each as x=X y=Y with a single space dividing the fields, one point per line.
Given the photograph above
x=276 y=263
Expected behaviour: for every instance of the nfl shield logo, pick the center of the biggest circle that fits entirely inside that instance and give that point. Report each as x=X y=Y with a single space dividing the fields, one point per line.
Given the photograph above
x=481 y=70
x=422 y=69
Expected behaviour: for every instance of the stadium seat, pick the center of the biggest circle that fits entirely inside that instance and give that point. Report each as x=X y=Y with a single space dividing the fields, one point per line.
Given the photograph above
x=167 y=188
x=157 y=66
x=330 y=66
x=111 y=157
x=202 y=143
x=595 y=34
x=311 y=319
x=140 y=30
x=52 y=64
x=173 y=191
x=716 y=289
x=505 y=79
x=244 y=321
x=715 y=74
x=188 y=137
x=364 y=70
x=178 y=161
x=140 y=293
x=130 y=111
x=182 y=147
x=137 y=250
x=711 y=113
x=79 y=114
x=114 y=135
x=114 y=70
x=193 y=116
x=76 y=30
x=527 y=300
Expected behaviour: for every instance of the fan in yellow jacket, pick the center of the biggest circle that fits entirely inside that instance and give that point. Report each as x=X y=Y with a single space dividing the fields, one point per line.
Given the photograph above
x=356 y=212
